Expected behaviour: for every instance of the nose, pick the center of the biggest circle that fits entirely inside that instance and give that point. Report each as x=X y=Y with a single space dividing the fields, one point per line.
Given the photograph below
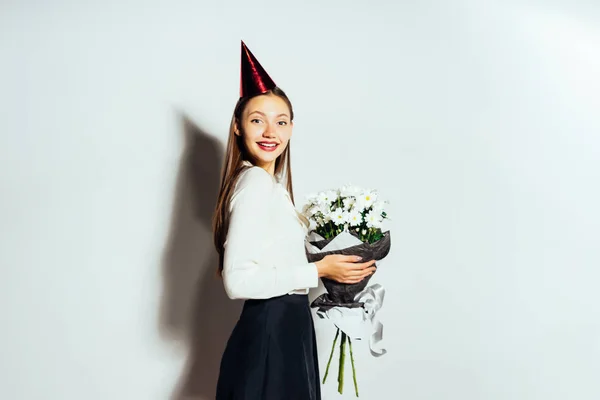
x=269 y=130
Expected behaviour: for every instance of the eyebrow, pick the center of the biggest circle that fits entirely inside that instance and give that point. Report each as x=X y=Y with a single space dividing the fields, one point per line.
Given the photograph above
x=262 y=113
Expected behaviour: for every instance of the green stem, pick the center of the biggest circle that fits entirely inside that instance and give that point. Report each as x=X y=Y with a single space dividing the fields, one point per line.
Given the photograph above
x=341 y=368
x=331 y=355
x=353 y=368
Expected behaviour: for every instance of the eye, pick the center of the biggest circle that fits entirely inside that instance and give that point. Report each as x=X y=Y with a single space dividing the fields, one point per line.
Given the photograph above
x=284 y=122
x=254 y=119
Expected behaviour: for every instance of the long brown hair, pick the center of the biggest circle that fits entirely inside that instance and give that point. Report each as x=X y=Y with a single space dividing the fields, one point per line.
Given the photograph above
x=235 y=154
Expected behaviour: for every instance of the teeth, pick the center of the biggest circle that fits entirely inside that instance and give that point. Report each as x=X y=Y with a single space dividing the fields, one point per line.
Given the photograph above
x=268 y=144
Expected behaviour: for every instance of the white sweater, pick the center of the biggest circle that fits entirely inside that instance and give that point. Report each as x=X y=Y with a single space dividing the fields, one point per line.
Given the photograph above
x=264 y=254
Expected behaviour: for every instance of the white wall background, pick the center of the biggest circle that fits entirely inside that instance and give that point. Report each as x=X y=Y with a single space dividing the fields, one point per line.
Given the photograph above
x=477 y=120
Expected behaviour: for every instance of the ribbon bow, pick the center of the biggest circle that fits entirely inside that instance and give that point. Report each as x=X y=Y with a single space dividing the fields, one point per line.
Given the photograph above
x=372 y=299
x=360 y=322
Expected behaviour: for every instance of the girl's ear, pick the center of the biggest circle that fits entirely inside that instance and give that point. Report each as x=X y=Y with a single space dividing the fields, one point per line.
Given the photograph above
x=236 y=129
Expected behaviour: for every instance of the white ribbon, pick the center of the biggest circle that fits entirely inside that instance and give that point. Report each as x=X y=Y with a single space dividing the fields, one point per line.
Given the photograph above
x=361 y=322
x=372 y=297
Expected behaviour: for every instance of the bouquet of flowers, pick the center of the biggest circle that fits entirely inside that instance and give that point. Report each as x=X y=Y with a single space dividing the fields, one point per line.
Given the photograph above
x=348 y=221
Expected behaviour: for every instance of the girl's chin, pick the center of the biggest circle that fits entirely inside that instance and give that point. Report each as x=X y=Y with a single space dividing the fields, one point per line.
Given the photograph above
x=266 y=157
x=262 y=161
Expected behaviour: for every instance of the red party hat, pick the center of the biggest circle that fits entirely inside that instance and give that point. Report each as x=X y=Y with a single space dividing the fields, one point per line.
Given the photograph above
x=254 y=79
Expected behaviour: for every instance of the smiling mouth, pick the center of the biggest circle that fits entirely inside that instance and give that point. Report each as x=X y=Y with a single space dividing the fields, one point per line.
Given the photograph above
x=267 y=146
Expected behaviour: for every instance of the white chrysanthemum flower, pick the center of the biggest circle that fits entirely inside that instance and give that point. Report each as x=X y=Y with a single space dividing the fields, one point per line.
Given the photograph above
x=314 y=209
x=349 y=202
x=373 y=219
x=339 y=216
x=326 y=214
x=355 y=218
x=327 y=197
x=361 y=203
x=379 y=206
x=350 y=191
x=324 y=208
x=367 y=198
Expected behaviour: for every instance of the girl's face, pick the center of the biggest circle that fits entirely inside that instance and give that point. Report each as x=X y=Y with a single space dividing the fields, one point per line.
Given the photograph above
x=266 y=129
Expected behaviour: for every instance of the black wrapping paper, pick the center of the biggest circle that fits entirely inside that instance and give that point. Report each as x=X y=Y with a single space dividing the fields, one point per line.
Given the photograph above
x=342 y=294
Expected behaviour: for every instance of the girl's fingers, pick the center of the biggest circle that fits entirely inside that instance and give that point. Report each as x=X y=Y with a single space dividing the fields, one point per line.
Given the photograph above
x=366 y=263
x=351 y=259
x=369 y=270
x=356 y=260
x=369 y=263
x=355 y=280
x=360 y=266
x=361 y=273
x=357 y=277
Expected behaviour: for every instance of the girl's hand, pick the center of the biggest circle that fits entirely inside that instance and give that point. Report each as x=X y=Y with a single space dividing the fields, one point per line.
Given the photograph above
x=344 y=269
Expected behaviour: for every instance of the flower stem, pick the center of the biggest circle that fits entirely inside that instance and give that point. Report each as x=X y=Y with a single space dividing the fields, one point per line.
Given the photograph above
x=341 y=368
x=331 y=355
x=353 y=368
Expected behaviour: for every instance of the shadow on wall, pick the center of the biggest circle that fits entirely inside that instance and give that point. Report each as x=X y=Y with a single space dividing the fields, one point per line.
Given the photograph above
x=195 y=309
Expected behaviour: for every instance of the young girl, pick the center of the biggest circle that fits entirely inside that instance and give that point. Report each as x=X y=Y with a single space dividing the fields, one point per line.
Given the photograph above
x=259 y=235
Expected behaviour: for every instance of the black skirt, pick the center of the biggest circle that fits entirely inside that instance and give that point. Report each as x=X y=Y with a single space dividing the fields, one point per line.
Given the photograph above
x=272 y=353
